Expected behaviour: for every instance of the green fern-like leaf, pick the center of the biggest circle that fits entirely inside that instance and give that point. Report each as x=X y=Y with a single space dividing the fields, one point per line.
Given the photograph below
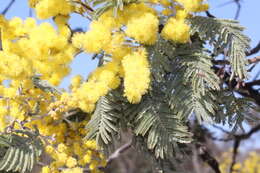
x=161 y=127
x=234 y=109
x=103 y=124
x=104 y=5
x=20 y=152
x=226 y=37
x=193 y=83
x=159 y=57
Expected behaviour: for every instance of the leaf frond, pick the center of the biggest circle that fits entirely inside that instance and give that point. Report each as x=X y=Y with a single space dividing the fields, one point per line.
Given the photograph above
x=227 y=37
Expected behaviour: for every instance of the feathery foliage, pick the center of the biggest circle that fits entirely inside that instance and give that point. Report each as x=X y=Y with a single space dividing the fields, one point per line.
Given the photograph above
x=233 y=110
x=103 y=123
x=103 y=5
x=20 y=151
x=161 y=128
x=226 y=37
x=193 y=82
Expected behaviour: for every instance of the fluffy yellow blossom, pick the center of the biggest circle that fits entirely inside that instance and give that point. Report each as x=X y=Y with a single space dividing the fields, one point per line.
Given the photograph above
x=165 y=3
x=144 y=28
x=176 y=30
x=46 y=169
x=46 y=8
x=100 y=82
x=167 y=12
x=76 y=81
x=93 y=40
x=137 y=75
x=13 y=66
x=193 y=5
x=71 y=162
x=61 y=22
x=116 y=47
x=49 y=149
x=62 y=147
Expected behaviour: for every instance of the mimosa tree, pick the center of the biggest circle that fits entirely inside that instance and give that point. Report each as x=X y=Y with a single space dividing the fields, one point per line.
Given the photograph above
x=159 y=68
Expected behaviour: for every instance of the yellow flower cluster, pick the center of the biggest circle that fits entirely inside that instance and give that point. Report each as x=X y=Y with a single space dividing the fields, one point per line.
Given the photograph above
x=49 y=8
x=73 y=156
x=29 y=48
x=137 y=24
x=176 y=28
x=193 y=5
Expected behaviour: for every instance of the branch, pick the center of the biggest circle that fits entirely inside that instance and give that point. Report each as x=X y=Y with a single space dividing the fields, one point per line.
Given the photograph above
x=118 y=152
x=226 y=62
x=238 y=86
x=210 y=160
x=238 y=9
x=253 y=83
x=209 y=14
x=8 y=7
x=254 y=50
x=238 y=139
x=254 y=60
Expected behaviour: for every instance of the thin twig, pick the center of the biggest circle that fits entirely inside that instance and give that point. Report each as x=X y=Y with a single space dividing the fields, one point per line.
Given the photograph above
x=254 y=50
x=209 y=14
x=224 y=62
x=8 y=7
x=238 y=9
x=210 y=160
x=254 y=60
x=119 y=151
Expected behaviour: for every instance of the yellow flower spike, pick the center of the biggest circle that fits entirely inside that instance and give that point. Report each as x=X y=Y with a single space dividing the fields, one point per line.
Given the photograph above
x=136 y=75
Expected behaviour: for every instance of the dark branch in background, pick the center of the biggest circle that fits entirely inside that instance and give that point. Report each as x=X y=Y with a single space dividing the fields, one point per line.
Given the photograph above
x=244 y=89
x=254 y=50
x=8 y=7
x=211 y=161
x=201 y=135
x=209 y=14
x=238 y=9
x=237 y=141
x=226 y=62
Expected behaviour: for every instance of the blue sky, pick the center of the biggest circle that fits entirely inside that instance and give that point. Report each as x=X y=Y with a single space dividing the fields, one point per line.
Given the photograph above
x=83 y=63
